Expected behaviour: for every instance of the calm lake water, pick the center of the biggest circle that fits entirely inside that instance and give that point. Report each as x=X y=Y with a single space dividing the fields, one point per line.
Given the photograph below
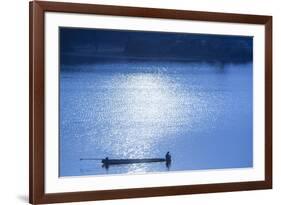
x=200 y=112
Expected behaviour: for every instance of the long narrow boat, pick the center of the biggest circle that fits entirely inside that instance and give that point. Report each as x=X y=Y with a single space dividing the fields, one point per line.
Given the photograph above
x=131 y=161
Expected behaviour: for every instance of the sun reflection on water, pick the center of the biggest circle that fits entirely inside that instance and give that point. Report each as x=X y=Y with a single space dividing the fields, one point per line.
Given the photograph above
x=145 y=109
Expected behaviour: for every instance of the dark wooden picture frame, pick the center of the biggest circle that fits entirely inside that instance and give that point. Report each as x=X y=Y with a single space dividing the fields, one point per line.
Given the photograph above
x=37 y=193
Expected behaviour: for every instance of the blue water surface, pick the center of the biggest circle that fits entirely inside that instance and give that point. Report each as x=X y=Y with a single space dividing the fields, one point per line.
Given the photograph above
x=201 y=112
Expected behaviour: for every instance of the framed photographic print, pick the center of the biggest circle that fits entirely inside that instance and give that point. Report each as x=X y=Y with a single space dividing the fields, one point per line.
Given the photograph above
x=139 y=102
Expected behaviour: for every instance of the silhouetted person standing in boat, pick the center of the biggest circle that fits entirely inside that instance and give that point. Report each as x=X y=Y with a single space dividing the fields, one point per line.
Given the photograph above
x=168 y=158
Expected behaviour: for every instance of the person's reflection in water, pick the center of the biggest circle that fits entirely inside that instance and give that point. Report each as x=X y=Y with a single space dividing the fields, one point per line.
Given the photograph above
x=105 y=164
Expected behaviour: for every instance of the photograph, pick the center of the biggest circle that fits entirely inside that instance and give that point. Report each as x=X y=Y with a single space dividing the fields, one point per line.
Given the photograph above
x=128 y=102
x=137 y=102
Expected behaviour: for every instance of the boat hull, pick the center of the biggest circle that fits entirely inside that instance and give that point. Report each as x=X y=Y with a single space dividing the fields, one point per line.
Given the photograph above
x=131 y=161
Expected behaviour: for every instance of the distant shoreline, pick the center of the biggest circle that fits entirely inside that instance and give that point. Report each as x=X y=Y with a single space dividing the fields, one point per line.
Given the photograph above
x=92 y=60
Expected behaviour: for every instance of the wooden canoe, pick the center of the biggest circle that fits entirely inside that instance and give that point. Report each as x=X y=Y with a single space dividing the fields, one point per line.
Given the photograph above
x=131 y=161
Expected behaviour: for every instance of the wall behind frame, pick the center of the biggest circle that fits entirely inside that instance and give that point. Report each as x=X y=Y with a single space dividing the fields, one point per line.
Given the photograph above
x=14 y=101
